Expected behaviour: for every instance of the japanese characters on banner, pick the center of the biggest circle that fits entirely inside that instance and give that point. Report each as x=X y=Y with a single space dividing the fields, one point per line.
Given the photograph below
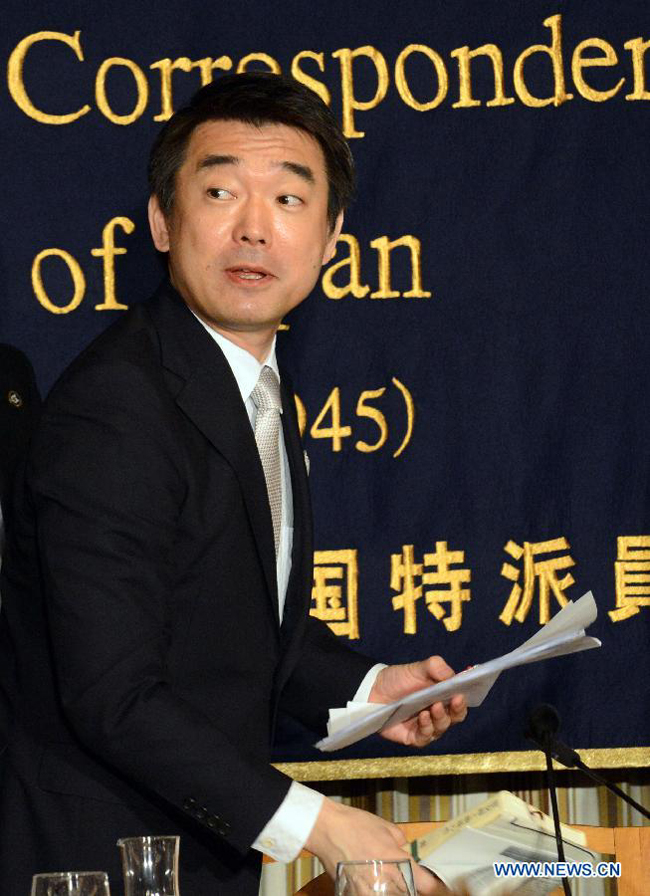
x=471 y=372
x=336 y=574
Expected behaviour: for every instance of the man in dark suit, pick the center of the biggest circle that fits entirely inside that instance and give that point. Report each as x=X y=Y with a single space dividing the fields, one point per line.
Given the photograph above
x=19 y=407
x=159 y=577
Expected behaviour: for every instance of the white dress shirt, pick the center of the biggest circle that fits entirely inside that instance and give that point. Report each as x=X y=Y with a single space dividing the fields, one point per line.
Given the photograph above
x=285 y=834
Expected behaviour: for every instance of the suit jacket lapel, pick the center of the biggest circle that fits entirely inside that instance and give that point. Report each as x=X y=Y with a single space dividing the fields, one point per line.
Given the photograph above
x=209 y=395
x=299 y=588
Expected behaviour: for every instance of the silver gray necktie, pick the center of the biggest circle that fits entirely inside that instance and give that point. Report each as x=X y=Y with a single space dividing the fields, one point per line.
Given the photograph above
x=266 y=396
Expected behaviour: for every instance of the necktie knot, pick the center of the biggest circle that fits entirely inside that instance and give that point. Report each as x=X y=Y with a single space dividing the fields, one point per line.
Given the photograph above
x=266 y=393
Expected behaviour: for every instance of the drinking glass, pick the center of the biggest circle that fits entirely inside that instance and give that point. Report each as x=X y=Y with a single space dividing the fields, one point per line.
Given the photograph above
x=150 y=865
x=387 y=877
x=71 y=883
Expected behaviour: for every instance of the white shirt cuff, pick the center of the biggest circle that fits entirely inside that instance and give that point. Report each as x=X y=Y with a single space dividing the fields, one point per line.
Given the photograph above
x=285 y=834
x=367 y=683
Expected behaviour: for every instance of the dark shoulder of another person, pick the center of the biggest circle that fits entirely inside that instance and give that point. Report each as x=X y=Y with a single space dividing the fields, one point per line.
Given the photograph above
x=20 y=405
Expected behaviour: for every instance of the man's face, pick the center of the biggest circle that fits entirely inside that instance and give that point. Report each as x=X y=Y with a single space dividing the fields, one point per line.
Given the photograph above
x=248 y=233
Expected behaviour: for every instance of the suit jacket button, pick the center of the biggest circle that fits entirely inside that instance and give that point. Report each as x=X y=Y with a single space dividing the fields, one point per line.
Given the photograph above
x=189 y=803
x=202 y=813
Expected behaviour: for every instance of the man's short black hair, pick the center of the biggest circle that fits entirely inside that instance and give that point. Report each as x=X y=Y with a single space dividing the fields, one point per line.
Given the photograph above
x=256 y=98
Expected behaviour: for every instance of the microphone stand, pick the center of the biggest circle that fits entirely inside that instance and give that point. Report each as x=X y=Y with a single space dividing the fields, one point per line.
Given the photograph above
x=550 y=780
x=570 y=758
x=543 y=723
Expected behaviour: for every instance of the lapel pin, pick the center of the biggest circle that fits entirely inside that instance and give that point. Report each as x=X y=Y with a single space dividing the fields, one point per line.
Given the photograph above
x=14 y=398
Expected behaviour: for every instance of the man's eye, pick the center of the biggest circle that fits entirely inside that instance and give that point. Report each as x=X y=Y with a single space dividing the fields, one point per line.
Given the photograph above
x=289 y=199
x=219 y=193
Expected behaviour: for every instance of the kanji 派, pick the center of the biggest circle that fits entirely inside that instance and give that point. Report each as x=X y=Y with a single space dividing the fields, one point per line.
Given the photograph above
x=546 y=571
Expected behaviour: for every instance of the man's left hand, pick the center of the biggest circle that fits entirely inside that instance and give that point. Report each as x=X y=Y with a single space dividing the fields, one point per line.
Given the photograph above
x=395 y=682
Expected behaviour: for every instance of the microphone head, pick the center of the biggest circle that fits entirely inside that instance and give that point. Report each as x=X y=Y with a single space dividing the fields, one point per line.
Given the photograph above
x=542 y=724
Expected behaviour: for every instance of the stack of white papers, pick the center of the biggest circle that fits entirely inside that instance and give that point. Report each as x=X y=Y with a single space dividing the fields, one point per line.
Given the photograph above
x=564 y=634
x=502 y=829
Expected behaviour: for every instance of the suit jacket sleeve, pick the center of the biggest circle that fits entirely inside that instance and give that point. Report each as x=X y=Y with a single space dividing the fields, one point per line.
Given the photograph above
x=326 y=665
x=107 y=483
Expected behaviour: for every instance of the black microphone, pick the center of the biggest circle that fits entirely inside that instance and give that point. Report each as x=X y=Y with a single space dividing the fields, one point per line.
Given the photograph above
x=542 y=726
x=543 y=723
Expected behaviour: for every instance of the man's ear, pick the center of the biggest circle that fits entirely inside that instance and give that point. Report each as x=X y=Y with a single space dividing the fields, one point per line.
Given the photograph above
x=330 y=247
x=158 y=225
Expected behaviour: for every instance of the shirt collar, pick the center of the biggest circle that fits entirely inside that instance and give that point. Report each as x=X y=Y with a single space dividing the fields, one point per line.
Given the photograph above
x=245 y=367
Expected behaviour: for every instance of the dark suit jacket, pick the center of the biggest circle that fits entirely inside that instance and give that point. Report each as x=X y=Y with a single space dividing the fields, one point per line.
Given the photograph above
x=145 y=661
x=19 y=407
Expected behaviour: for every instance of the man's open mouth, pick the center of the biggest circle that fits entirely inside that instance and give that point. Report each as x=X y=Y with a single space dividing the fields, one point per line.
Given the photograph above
x=246 y=273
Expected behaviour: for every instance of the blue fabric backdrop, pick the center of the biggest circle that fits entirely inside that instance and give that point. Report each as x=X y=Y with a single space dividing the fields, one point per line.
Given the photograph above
x=485 y=381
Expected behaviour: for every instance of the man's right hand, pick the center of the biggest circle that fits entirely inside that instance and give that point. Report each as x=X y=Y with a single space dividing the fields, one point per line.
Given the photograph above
x=344 y=834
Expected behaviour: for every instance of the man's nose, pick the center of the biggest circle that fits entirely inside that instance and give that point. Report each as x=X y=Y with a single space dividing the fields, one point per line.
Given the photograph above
x=253 y=225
